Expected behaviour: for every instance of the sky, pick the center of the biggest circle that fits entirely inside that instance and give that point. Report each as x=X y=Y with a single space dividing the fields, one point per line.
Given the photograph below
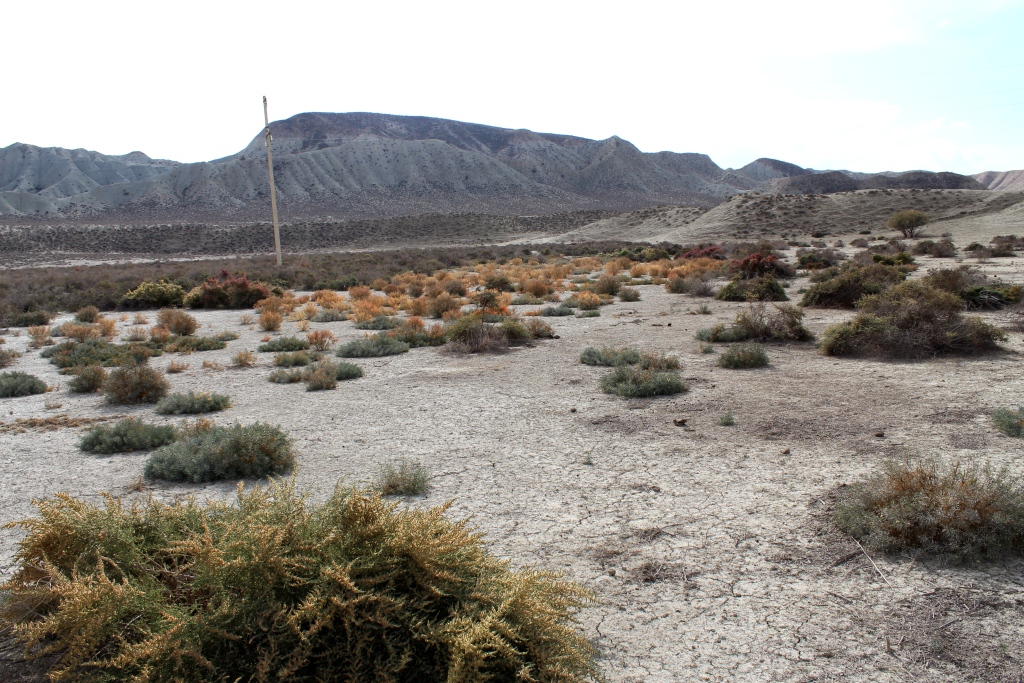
x=866 y=86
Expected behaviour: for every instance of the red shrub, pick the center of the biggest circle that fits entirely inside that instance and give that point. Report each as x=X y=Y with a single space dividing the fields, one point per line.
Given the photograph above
x=229 y=291
x=758 y=264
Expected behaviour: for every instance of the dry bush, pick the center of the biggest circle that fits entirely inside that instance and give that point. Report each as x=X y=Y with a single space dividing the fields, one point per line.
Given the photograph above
x=587 y=301
x=137 y=334
x=158 y=334
x=40 y=335
x=178 y=322
x=88 y=379
x=226 y=291
x=175 y=367
x=321 y=340
x=212 y=365
x=975 y=288
x=270 y=321
x=87 y=314
x=131 y=384
x=302 y=325
x=80 y=333
x=785 y=323
x=359 y=292
x=911 y=320
x=539 y=329
x=246 y=319
x=743 y=357
x=443 y=303
x=140 y=319
x=244 y=359
x=7 y=358
x=107 y=328
x=964 y=512
x=385 y=593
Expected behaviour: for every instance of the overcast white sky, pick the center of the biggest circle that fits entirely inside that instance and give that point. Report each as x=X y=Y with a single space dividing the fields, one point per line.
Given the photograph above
x=867 y=85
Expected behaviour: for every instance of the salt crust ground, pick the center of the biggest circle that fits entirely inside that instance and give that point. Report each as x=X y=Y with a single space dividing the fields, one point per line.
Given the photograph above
x=709 y=547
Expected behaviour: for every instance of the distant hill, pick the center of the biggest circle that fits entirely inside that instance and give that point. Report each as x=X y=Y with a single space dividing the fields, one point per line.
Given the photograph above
x=365 y=165
x=1004 y=180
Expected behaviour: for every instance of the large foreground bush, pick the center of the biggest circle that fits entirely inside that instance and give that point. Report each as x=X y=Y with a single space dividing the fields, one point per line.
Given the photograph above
x=843 y=287
x=911 y=320
x=236 y=452
x=963 y=511
x=276 y=588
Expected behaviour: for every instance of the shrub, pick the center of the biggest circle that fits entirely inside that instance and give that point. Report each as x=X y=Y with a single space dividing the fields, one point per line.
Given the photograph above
x=944 y=248
x=321 y=340
x=587 y=301
x=402 y=477
x=349 y=589
x=556 y=311
x=658 y=361
x=13 y=384
x=443 y=303
x=1009 y=422
x=345 y=371
x=380 y=322
x=193 y=404
x=328 y=315
x=175 y=367
x=159 y=335
x=281 y=376
x=270 y=321
x=760 y=265
x=634 y=382
x=817 y=259
x=414 y=333
x=88 y=379
x=87 y=314
x=846 y=285
x=727 y=420
x=965 y=512
x=193 y=344
x=539 y=329
x=470 y=334
x=515 y=331
x=373 y=347
x=722 y=333
x=900 y=259
x=94 y=352
x=757 y=289
x=227 y=291
x=292 y=359
x=126 y=436
x=785 y=323
x=237 y=452
x=676 y=285
x=79 y=333
x=499 y=283
x=974 y=287
x=284 y=344
x=606 y=284
x=743 y=356
x=909 y=222
x=610 y=356
x=137 y=334
x=31 y=319
x=324 y=375
x=161 y=294
x=227 y=335
x=131 y=384
x=7 y=358
x=244 y=359
x=629 y=294
x=911 y=320
x=178 y=322
x=526 y=300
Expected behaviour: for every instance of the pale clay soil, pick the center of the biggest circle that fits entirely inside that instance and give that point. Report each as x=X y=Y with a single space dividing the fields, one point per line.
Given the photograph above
x=709 y=548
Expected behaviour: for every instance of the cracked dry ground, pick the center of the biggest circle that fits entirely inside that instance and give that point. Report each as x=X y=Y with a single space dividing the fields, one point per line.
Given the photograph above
x=709 y=548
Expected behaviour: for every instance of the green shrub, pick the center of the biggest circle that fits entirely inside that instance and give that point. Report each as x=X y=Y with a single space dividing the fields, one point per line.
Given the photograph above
x=526 y=300
x=515 y=331
x=349 y=589
x=606 y=284
x=629 y=294
x=557 y=311
x=161 y=294
x=328 y=315
x=237 y=452
x=470 y=334
x=193 y=403
x=381 y=322
x=848 y=284
x=193 y=344
x=126 y=436
x=227 y=335
x=344 y=371
x=908 y=222
x=88 y=379
x=13 y=384
x=284 y=344
x=609 y=356
x=402 y=477
x=659 y=361
x=372 y=347
x=132 y=384
x=785 y=323
x=87 y=314
x=727 y=420
x=31 y=319
x=722 y=333
x=1009 y=422
x=911 y=320
x=765 y=288
x=292 y=359
x=634 y=382
x=743 y=356
x=499 y=283
x=944 y=248
x=975 y=288
x=589 y=314
x=72 y=354
x=281 y=376
x=962 y=511
x=900 y=259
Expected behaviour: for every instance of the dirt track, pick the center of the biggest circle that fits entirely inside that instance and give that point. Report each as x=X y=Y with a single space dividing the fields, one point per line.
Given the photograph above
x=709 y=547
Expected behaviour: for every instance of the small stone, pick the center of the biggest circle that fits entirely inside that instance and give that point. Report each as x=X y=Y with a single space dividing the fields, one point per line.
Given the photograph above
x=679 y=422
x=611 y=572
x=572 y=410
x=785 y=452
x=880 y=434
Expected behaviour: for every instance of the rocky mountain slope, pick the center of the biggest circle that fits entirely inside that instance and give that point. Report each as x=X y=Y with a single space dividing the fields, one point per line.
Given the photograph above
x=1006 y=180
x=364 y=165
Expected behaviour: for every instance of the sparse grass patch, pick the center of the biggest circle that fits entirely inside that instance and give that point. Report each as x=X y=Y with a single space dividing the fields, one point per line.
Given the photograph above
x=1009 y=421
x=633 y=382
x=292 y=359
x=282 y=344
x=964 y=512
x=402 y=477
x=193 y=403
x=244 y=359
x=132 y=384
x=237 y=452
x=727 y=420
x=743 y=356
x=176 y=366
x=14 y=384
x=282 y=376
x=126 y=436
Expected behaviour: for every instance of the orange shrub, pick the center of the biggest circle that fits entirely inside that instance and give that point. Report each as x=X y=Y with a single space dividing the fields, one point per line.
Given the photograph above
x=107 y=327
x=321 y=340
x=588 y=301
x=159 y=334
x=366 y=309
x=418 y=306
x=535 y=287
x=270 y=320
x=80 y=333
x=359 y=292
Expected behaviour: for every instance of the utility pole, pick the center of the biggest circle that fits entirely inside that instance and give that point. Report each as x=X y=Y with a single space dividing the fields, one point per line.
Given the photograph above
x=273 y=194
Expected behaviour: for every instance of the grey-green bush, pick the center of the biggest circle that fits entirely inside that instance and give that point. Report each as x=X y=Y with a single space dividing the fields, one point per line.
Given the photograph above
x=88 y=379
x=284 y=344
x=634 y=382
x=743 y=356
x=13 y=384
x=402 y=477
x=1009 y=421
x=609 y=356
x=126 y=436
x=372 y=347
x=237 y=452
x=193 y=403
